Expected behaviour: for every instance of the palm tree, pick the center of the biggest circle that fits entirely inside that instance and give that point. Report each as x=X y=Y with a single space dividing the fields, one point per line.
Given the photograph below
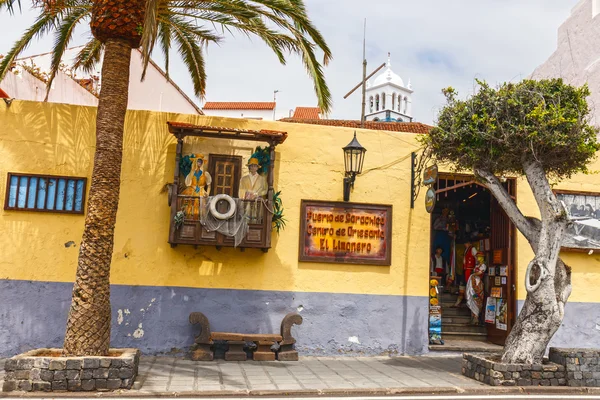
x=117 y=26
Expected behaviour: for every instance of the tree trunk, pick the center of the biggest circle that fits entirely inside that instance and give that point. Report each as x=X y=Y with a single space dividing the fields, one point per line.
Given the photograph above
x=88 y=327
x=538 y=321
x=548 y=279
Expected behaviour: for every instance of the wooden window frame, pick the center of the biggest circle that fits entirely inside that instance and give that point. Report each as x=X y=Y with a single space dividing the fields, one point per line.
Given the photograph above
x=67 y=178
x=237 y=173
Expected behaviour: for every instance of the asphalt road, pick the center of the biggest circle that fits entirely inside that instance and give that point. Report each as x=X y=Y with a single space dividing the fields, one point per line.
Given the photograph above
x=443 y=397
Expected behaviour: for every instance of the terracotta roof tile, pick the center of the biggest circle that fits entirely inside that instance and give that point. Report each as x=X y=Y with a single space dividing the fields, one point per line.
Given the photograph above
x=409 y=127
x=239 y=105
x=307 y=113
x=3 y=94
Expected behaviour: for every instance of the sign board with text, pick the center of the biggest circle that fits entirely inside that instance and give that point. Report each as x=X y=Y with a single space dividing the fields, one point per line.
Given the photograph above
x=347 y=233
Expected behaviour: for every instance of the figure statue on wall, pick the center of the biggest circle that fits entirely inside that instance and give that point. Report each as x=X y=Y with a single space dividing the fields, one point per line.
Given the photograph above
x=253 y=186
x=197 y=184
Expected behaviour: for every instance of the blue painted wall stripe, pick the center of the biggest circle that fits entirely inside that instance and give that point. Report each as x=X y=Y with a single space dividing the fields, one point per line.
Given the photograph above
x=155 y=319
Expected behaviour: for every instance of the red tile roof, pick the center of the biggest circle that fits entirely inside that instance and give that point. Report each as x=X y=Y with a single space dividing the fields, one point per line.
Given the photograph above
x=409 y=127
x=307 y=113
x=239 y=105
x=3 y=94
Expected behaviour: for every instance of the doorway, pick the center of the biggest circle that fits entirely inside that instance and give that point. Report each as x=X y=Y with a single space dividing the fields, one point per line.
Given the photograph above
x=467 y=219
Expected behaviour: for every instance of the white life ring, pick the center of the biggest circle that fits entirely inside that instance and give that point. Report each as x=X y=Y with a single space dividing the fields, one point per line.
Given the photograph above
x=213 y=206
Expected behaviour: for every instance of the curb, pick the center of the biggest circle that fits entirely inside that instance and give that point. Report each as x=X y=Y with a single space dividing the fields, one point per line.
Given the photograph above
x=539 y=390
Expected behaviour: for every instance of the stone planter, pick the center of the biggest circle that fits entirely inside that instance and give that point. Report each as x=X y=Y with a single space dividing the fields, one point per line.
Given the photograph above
x=565 y=367
x=42 y=370
x=582 y=365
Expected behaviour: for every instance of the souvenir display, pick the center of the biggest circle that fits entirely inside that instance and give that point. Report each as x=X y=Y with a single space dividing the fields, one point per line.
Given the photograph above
x=435 y=313
x=490 y=310
x=462 y=227
x=501 y=309
x=474 y=291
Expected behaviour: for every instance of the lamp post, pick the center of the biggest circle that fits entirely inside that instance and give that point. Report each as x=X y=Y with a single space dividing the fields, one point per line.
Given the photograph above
x=354 y=157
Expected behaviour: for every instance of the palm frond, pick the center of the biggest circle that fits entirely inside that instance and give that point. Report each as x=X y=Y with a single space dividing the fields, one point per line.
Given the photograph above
x=89 y=56
x=192 y=56
x=283 y=25
x=164 y=37
x=9 y=5
x=42 y=25
x=149 y=33
x=63 y=37
x=315 y=70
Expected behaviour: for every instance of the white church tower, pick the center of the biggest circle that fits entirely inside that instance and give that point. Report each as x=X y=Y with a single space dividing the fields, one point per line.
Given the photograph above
x=388 y=100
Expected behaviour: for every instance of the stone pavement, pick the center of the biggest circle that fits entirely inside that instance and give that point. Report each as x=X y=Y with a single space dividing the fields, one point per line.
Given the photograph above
x=309 y=377
x=171 y=374
x=166 y=374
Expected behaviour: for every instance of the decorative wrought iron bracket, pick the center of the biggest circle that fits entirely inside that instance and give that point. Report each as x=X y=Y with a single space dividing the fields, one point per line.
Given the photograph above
x=417 y=166
x=415 y=179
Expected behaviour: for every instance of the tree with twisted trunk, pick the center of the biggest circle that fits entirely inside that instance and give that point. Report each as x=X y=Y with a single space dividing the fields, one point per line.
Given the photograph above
x=539 y=129
x=117 y=27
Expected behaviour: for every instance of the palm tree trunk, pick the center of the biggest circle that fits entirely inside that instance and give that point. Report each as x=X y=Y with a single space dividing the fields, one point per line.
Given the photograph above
x=88 y=327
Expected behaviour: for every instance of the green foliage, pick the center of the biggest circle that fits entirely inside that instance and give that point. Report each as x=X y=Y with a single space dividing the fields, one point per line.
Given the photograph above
x=263 y=155
x=278 y=218
x=178 y=219
x=499 y=129
x=185 y=165
x=188 y=27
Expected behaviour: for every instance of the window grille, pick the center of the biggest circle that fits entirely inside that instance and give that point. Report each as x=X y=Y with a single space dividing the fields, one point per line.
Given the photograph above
x=46 y=193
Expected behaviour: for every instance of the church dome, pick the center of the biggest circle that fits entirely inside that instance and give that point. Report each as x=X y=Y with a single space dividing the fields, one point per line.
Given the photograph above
x=389 y=76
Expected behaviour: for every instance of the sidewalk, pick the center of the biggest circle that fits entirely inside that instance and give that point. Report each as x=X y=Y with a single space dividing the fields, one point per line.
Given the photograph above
x=310 y=373
x=311 y=376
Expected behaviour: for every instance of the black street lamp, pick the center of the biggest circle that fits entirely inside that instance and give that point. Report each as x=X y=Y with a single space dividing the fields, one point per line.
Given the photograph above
x=354 y=157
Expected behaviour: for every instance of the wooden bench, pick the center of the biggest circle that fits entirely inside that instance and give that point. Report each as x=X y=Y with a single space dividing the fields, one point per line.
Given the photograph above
x=203 y=351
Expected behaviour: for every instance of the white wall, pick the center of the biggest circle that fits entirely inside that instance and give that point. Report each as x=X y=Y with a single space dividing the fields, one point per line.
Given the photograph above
x=156 y=93
x=25 y=86
x=266 y=115
x=577 y=57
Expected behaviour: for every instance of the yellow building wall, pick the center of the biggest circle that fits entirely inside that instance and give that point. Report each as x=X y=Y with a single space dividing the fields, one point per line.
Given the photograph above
x=59 y=139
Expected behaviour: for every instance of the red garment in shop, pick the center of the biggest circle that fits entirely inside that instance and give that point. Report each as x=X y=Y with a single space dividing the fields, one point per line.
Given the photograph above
x=468 y=272
x=469 y=258
x=468 y=262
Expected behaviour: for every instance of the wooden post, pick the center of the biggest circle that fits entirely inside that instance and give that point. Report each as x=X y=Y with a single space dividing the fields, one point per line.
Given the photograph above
x=175 y=191
x=268 y=222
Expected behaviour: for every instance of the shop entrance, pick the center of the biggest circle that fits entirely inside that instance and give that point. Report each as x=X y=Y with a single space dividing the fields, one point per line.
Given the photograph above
x=470 y=229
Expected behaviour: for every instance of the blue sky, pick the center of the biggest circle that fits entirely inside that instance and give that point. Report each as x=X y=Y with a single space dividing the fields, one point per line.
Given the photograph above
x=435 y=43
